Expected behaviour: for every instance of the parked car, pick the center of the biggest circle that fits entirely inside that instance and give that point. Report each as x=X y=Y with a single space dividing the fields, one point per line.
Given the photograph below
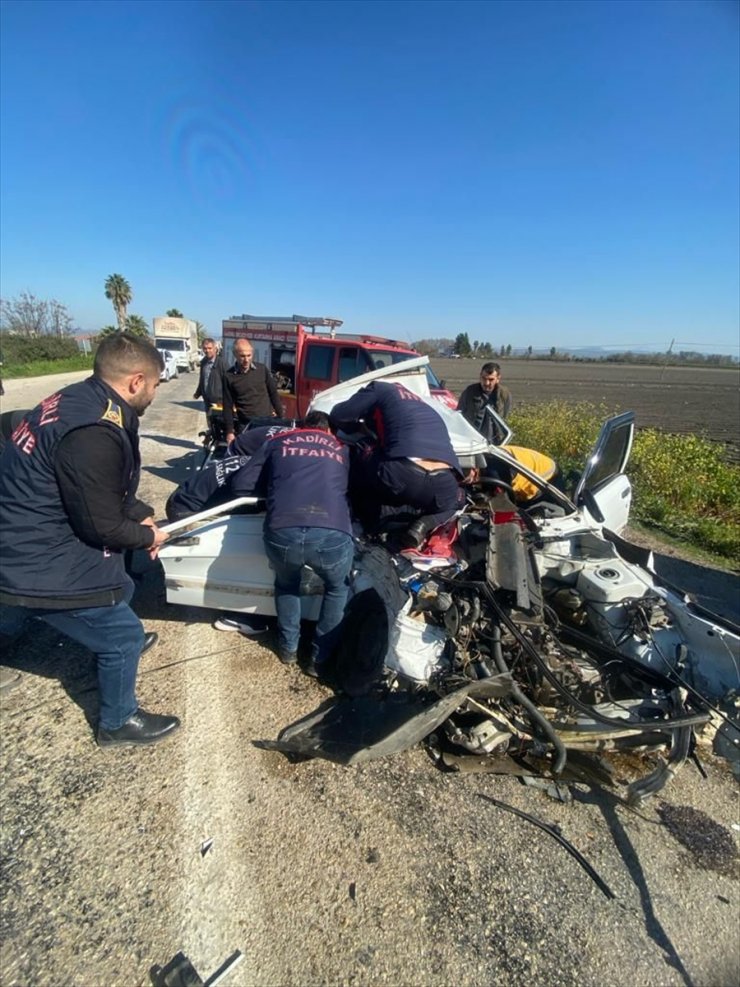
x=534 y=632
x=170 y=370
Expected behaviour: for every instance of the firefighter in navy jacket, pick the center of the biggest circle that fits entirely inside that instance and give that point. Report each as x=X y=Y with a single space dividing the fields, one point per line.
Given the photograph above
x=68 y=511
x=413 y=463
x=304 y=474
x=213 y=485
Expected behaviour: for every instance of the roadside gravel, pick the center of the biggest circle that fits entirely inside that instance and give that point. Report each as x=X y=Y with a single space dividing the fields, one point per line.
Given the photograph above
x=388 y=873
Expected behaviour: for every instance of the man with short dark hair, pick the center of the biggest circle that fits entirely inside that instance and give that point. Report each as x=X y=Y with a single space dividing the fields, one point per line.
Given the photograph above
x=249 y=388
x=304 y=473
x=69 y=511
x=489 y=392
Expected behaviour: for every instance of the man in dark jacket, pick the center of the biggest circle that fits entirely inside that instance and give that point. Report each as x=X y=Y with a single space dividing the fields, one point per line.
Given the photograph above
x=489 y=392
x=304 y=474
x=69 y=511
x=213 y=485
x=413 y=464
x=250 y=388
x=210 y=378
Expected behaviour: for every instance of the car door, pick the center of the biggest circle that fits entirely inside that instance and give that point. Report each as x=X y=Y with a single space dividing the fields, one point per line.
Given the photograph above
x=604 y=490
x=316 y=372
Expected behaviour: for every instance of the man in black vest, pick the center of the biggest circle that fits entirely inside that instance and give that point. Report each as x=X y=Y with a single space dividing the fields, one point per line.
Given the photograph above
x=69 y=511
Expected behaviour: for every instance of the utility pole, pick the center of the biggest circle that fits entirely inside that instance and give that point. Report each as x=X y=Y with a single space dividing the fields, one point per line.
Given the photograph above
x=665 y=362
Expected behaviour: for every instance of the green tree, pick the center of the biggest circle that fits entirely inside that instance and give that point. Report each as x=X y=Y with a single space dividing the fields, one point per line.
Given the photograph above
x=106 y=331
x=553 y=352
x=175 y=313
x=118 y=291
x=137 y=326
x=529 y=352
x=462 y=344
x=508 y=349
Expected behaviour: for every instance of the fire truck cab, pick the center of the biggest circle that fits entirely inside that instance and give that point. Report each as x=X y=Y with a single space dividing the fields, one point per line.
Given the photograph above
x=307 y=355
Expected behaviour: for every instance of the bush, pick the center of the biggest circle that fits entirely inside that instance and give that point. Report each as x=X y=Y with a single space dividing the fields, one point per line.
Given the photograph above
x=567 y=432
x=682 y=484
x=42 y=368
x=18 y=350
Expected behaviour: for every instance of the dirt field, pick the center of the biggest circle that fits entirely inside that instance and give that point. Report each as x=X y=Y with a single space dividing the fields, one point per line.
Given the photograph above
x=679 y=399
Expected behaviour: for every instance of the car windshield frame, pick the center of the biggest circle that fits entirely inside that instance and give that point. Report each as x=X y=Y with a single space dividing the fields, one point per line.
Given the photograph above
x=397 y=356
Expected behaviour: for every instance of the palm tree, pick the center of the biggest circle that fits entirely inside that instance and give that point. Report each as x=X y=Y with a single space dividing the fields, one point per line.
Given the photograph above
x=175 y=313
x=118 y=290
x=136 y=325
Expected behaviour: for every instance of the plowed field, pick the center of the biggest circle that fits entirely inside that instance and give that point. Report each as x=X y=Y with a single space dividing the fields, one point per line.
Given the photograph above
x=677 y=399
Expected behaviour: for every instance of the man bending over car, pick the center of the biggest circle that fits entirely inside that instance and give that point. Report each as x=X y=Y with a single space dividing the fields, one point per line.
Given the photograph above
x=213 y=485
x=413 y=463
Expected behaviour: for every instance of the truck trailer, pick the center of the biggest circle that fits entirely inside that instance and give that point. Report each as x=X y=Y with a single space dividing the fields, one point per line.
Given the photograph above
x=180 y=337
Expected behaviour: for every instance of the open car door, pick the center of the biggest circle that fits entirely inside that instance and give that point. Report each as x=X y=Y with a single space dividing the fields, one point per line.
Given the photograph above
x=604 y=489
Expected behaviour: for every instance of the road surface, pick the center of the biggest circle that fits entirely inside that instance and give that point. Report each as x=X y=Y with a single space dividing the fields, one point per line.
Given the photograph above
x=389 y=873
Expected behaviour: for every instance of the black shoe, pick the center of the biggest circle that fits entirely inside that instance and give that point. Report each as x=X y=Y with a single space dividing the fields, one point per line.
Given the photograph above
x=149 y=641
x=318 y=670
x=287 y=657
x=414 y=536
x=141 y=728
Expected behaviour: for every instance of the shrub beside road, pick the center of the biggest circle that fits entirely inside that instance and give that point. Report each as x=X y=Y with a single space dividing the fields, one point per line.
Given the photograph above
x=682 y=486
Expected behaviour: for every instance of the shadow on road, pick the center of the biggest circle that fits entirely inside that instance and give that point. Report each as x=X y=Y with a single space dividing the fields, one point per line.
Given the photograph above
x=179 y=468
x=167 y=440
x=607 y=805
x=195 y=405
x=40 y=650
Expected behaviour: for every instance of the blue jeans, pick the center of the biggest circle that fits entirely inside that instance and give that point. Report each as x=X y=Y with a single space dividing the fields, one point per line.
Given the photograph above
x=329 y=553
x=115 y=636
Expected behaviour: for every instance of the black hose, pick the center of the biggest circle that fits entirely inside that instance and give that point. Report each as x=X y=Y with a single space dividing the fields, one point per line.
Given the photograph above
x=556 y=835
x=641 y=726
x=542 y=721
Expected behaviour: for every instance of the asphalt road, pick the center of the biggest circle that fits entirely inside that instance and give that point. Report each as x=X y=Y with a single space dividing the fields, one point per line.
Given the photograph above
x=389 y=873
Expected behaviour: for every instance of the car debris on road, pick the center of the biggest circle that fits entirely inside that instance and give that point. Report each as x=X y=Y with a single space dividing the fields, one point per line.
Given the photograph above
x=524 y=640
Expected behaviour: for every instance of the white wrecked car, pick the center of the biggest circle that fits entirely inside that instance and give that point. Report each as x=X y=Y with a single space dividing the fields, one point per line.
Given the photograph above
x=529 y=632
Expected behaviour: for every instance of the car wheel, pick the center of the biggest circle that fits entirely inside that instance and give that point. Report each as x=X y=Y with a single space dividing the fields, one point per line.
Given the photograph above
x=176 y=374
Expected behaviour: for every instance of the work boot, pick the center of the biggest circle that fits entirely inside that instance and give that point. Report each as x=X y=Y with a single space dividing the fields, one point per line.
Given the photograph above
x=287 y=657
x=318 y=670
x=141 y=728
x=415 y=535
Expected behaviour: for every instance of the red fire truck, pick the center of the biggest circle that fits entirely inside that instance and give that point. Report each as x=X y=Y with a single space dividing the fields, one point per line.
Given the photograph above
x=308 y=355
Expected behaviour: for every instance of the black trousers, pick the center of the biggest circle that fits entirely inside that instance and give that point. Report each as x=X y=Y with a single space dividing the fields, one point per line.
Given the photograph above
x=377 y=481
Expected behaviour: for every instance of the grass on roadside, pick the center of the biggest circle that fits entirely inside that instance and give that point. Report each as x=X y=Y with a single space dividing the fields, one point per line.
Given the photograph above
x=39 y=368
x=682 y=486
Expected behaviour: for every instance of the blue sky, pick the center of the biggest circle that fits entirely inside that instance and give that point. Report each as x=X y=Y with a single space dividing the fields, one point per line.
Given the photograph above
x=530 y=173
